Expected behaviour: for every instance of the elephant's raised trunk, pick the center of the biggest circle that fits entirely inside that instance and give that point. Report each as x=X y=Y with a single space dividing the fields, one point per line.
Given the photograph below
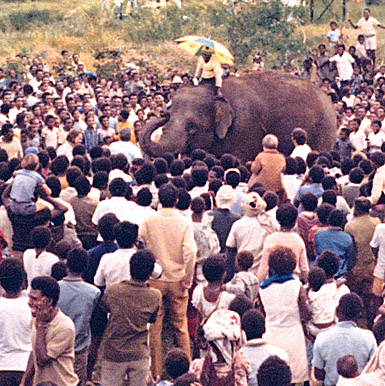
x=171 y=140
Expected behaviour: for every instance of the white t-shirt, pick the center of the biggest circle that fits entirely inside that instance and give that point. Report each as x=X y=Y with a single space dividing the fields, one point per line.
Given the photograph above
x=378 y=241
x=15 y=336
x=375 y=141
x=50 y=136
x=358 y=140
x=40 y=266
x=122 y=208
x=301 y=151
x=114 y=267
x=368 y=26
x=344 y=65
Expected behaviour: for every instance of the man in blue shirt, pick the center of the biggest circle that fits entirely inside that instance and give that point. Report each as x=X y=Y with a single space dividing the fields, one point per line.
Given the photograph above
x=316 y=174
x=78 y=300
x=345 y=338
x=337 y=241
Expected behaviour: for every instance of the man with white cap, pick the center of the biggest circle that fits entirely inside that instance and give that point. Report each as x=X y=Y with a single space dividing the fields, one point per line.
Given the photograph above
x=250 y=231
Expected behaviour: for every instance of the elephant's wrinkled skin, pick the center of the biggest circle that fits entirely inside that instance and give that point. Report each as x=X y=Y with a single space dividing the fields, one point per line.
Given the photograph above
x=265 y=102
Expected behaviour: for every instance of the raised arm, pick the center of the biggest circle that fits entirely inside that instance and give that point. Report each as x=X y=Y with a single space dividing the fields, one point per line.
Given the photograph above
x=351 y=23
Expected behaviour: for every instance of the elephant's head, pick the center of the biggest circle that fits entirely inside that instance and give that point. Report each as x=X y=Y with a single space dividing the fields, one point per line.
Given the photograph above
x=194 y=120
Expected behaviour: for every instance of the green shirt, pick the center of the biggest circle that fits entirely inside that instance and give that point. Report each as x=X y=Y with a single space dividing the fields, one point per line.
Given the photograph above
x=131 y=306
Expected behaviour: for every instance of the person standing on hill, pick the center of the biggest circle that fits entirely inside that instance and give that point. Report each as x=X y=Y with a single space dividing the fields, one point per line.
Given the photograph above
x=367 y=25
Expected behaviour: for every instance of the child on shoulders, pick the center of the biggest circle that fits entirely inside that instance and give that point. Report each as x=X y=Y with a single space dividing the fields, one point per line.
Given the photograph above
x=24 y=185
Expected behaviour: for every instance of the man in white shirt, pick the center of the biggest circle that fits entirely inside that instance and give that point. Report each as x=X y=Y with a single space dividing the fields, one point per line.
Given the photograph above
x=15 y=323
x=367 y=25
x=301 y=149
x=117 y=204
x=19 y=108
x=125 y=146
x=115 y=267
x=344 y=62
x=376 y=137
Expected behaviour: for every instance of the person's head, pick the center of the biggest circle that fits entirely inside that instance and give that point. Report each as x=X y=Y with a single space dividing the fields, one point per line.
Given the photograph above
x=337 y=218
x=253 y=323
x=41 y=237
x=75 y=136
x=346 y=165
x=287 y=215
x=309 y=202
x=142 y=265
x=168 y=195
x=316 y=278
x=187 y=379
x=54 y=184
x=199 y=175
x=316 y=173
x=329 y=262
x=271 y=200
x=184 y=199
x=356 y=175
x=77 y=261
x=362 y=206
x=214 y=269
x=59 y=165
x=59 y=270
x=62 y=248
x=232 y=177
x=12 y=276
x=177 y=167
x=198 y=205
x=274 y=372
x=340 y=49
x=343 y=135
x=291 y=166
x=366 y=13
x=282 y=261
x=82 y=186
x=30 y=162
x=270 y=141
x=244 y=260
x=333 y=25
x=106 y=226
x=118 y=187
x=329 y=197
x=240 y=304
x=349 y=307
x=144 y=197
x=323 y=212
x=126 y=234
x=176 y=363
x=72 y=174
x=299 y=136
x=347 y=366
x=100 y=180
x=43 y=289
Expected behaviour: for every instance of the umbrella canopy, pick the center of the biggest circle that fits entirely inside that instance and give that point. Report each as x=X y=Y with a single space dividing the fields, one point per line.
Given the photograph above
x=196 y=45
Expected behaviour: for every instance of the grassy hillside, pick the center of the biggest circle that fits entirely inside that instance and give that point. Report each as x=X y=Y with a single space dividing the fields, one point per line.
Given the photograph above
x=146 y=37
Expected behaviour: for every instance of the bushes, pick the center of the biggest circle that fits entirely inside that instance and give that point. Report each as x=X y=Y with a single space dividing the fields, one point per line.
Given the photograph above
x=264 y=27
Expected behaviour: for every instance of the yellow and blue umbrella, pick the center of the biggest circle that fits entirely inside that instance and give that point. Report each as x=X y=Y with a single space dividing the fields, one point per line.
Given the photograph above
x=196 y=45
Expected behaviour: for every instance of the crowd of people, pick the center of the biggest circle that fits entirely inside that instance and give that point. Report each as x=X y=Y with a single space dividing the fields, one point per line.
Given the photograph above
x=188 y=269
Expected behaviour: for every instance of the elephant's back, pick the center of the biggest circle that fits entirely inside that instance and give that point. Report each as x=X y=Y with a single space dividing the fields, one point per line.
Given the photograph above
x=283 y=102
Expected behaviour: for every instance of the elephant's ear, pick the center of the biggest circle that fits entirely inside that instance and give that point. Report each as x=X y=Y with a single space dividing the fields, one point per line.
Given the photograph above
x=224 y=115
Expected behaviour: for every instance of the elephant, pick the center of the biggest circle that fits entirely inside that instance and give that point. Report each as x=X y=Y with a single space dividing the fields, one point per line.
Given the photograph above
x=253 y=105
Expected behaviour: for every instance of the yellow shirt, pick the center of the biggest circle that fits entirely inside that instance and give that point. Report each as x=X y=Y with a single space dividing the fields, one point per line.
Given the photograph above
x=211 y=69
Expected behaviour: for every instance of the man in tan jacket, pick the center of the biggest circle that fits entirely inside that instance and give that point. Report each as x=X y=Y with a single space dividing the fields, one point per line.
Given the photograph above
x=268 y=167
x=170 y=236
